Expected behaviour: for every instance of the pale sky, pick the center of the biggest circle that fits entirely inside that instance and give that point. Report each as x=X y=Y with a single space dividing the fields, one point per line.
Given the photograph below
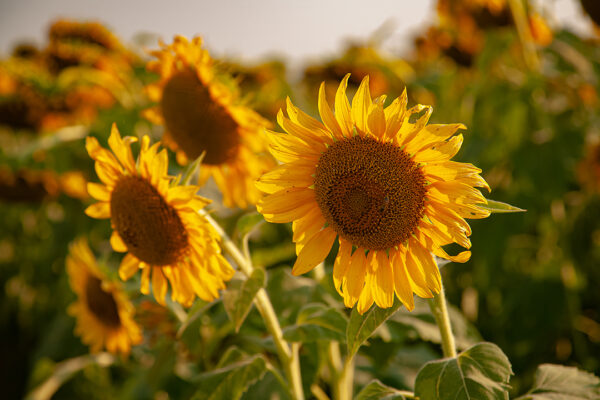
x=297 y=29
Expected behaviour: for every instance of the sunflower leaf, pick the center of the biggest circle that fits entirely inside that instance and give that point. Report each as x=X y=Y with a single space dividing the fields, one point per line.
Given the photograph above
x=247 y=222
x=498 y=207
x=481 y=372
x=317 y=322
x=557 y=382
x=239 y=296
x=361 y=327
x=376 y=390
x=230 y=382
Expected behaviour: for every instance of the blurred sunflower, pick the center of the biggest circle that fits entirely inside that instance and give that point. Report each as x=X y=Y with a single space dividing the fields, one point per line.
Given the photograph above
x=382 y=181
x=200 y=114
x=157 y=224
x=104 y=314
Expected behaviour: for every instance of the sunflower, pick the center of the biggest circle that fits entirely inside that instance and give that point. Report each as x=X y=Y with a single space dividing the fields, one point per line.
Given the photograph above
x=104 y=314
x=201 y=114
x=382 y=182
x=157 y=224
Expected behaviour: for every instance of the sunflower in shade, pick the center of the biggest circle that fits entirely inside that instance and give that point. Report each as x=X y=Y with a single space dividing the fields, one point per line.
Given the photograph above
x=104 y=314
x=202 y=114
x=156 y=223
x=381 y=182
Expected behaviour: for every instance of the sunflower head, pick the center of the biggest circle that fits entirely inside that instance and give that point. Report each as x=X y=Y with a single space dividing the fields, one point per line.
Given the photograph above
x=203 y=115
x=104 y=314
x=380 y=181
x=156 y=223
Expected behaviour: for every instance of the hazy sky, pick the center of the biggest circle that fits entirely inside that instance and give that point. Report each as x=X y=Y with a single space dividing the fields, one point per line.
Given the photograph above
x=246 y=28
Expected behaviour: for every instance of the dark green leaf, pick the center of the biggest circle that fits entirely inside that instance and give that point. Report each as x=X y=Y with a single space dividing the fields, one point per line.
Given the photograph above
x=317 y=322
x=478 y=373
x=239 y=296
x=378 y=391
x=557 y=382
x=361 y=327
x=231 y=382
x=497 y=207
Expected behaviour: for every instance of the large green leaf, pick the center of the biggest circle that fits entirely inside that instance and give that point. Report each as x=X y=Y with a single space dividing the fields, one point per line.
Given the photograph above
x=479 y=373
x=499 y=207
x=231 y=382
x=361 y=327
x=376 y=390
x=240 y=294
x=317 y=322
x=557 y=382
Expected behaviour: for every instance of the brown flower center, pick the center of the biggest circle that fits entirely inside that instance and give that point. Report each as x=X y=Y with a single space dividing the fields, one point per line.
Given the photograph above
x=151 y=228
x=196 y=122
x=101 y=303
x=371 y=193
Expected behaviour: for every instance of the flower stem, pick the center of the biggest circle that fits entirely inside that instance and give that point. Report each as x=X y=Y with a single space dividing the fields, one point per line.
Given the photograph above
x=344 y=384
x=439 y=309
x=288 y=357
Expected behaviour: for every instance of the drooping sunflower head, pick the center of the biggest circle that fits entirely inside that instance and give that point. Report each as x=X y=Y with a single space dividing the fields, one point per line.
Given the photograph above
x=156 y=223
x=381 y=181
x=202 y=115
x=104 y=314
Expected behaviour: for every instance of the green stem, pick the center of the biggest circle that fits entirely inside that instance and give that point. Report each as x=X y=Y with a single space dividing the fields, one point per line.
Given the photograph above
x=288 y=357
x=439 y=309
x=344 y=384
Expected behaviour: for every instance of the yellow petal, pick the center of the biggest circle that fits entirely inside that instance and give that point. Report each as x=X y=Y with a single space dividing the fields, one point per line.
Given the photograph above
x=286 y=176
x=416 y=275
x=159 y=285
x=428 y=265
x=384 y=292
x=361 y=104
x=309 y=137
x=402 y=285
x=308 y=225
x=355 y=277
x=394 y=116
x=376 y=120
x=409 y=130
x=289 y=216
x=129 y=266
x=431 y=134
x=121 y=149
x=117 y=243
x=286 y=200
x=327 y=115
x=365 y=300
x=343 y=112
x=145 y=287
x=440 y=151
x=341 y=264
x=98 y=192
x=315 y=251
x=301 y=118
x=99 y=210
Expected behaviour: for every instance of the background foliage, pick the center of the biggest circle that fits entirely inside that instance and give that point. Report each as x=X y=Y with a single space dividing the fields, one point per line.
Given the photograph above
x=531 y=286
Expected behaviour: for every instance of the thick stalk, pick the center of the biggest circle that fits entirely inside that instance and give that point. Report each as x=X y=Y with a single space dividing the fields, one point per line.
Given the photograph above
x=289 y=359
x=344 y=385
x=439 y=309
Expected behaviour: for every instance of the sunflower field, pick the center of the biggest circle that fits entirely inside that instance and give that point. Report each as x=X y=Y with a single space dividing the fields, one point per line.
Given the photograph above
x=425 y=225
